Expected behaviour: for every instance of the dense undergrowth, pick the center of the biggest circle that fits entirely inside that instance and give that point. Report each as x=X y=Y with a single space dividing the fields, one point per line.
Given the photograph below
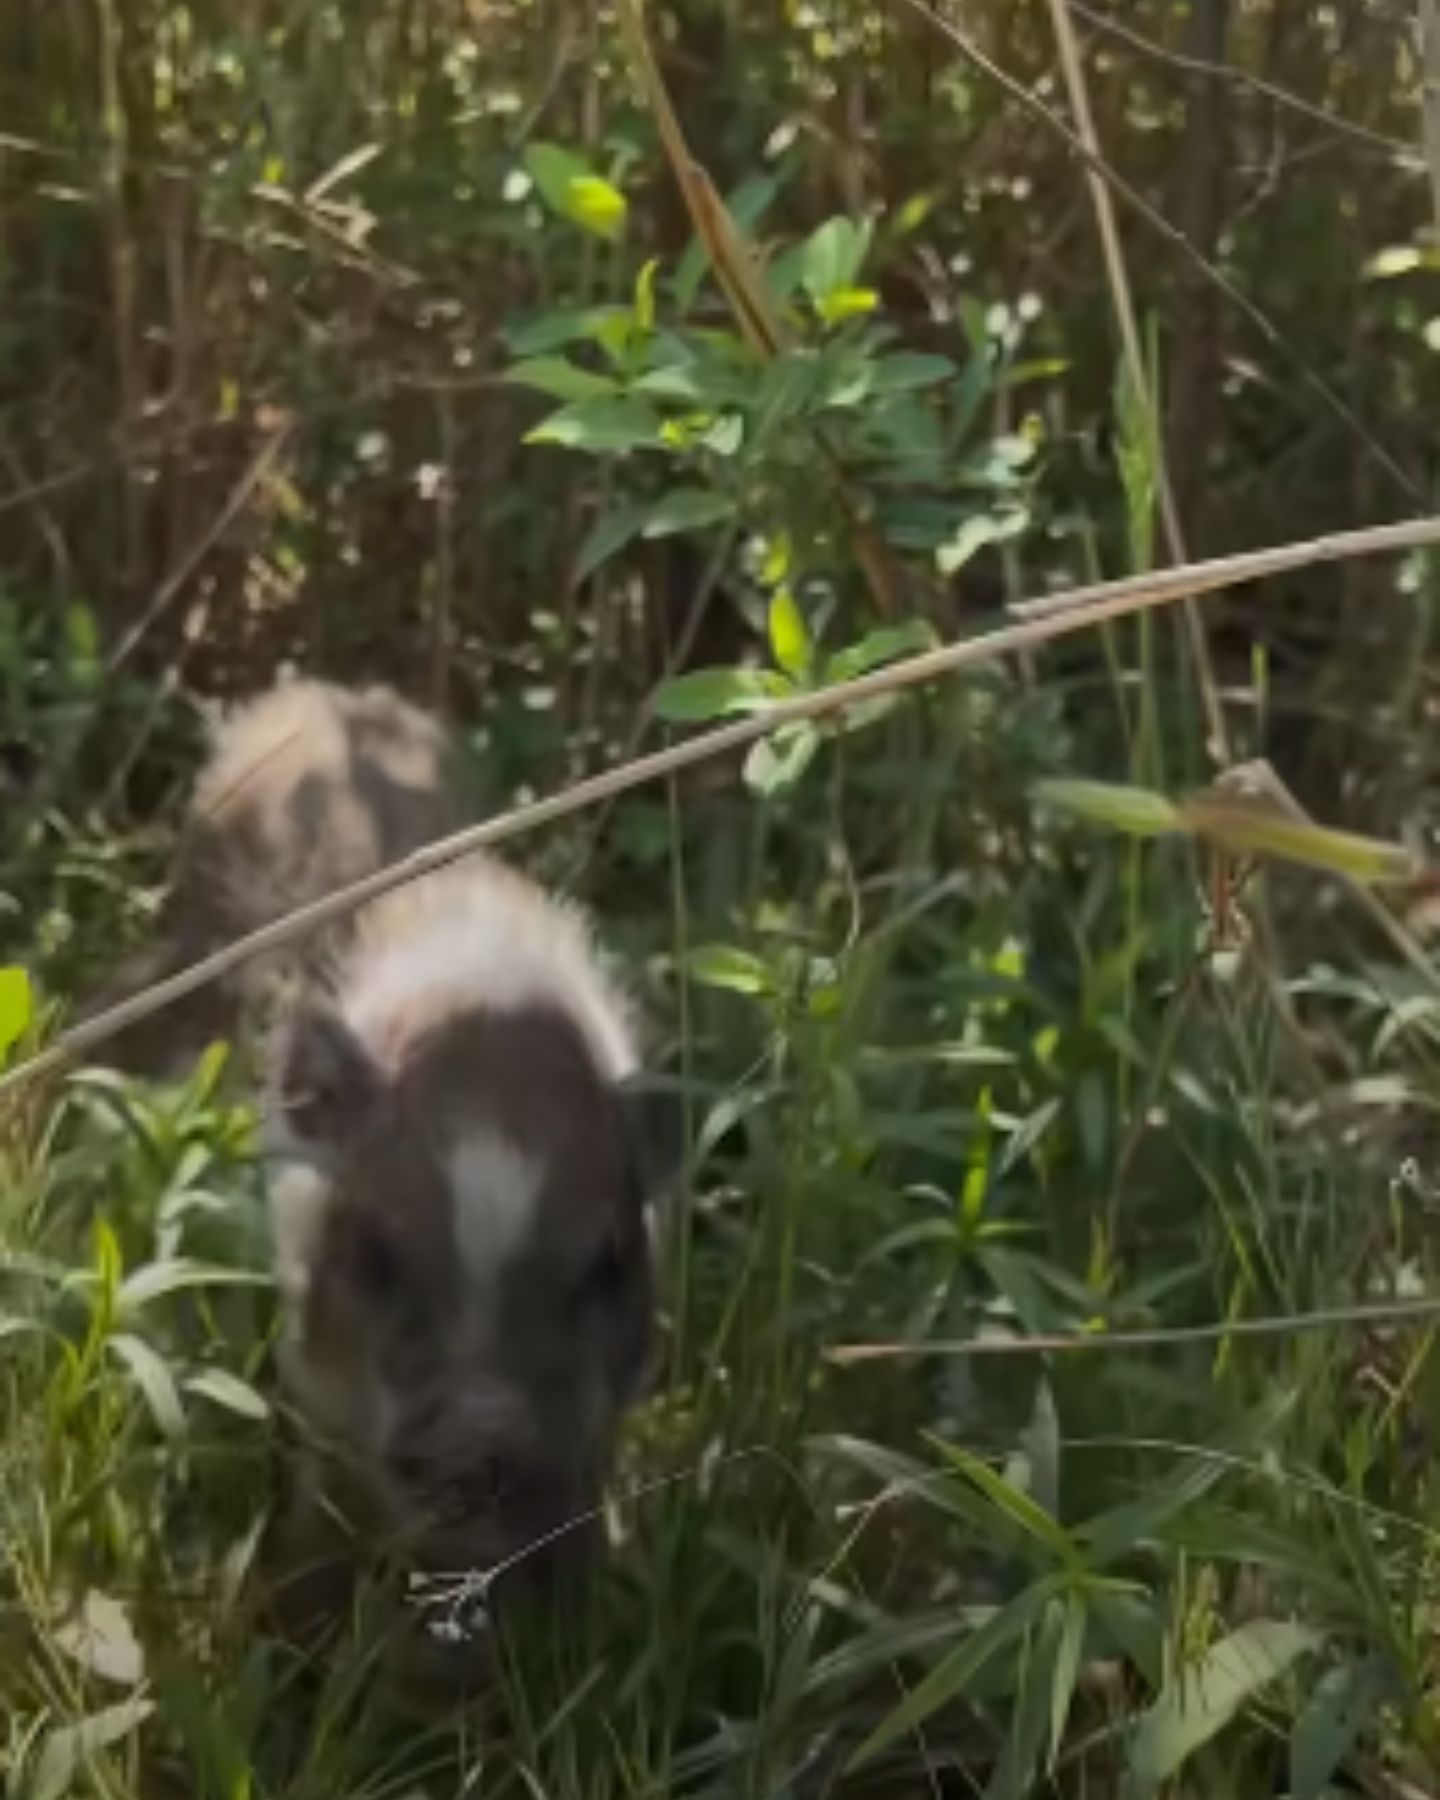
x=410 y=369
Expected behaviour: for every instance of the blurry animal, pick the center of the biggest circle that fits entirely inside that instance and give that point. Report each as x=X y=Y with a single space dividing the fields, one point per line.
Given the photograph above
x=459 y=1150
x=307 y=789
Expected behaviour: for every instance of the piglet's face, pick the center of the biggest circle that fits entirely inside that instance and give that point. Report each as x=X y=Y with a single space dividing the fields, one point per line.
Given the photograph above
x=463 y=1252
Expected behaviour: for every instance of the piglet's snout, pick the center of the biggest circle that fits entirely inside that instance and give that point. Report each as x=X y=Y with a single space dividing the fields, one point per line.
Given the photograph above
x=478 y=1467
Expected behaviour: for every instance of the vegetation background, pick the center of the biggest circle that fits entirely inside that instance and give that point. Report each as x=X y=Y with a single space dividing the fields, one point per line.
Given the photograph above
x=374 y=339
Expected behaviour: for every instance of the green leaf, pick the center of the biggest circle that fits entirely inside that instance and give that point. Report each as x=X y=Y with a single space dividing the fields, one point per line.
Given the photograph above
x=1200 y=1700
x=831 y=256
x=1138 y=811
x=722 y=966
x=879 y=647
x=611 y=532
x=153 y=1377
x=907 y=370
x=777 y=763
x=560 y=378
x=790 y=643
x=17 y=1008
x=68 y=1748
x=687 y=509
x=954 y=1673
x=1067 y=1670
x=644 y=308
x=569 y=187
x=175 y=1274
x=1342 y=1704
x=1016 y=1505
x=553 y=330
x=712 y=693
x=229 y=1391
x=601 y=425
x=975 y=533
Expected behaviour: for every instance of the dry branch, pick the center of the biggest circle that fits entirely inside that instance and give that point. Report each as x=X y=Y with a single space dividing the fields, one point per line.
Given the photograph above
x=1043 y=620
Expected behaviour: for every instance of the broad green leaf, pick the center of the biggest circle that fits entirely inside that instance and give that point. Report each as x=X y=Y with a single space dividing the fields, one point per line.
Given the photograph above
x=17 y=1008
x=1343 y=1702
x=1139 y=811
x=560 y=378
x=67 y=1748
x=790 y=643
x=777 y=763
x=712 y=693
x=909 y=369
x=153 y=1377
x=831 y=257
x=101 y=1638
x=722 y=966
x=229 y=1391
x=1250 y=830
x=1200 y=1700
x=623 y=423
x=570 y=188
x=687 y=509
x=975 y=533
x=953 y=1674
x=553 y=330
x=611 y=532
x=879 y=647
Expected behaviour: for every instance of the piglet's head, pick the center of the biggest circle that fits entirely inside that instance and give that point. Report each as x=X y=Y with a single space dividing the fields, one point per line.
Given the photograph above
x=463 y=1253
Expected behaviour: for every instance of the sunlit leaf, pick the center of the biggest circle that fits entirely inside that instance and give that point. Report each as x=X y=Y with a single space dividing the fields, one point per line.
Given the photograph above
x=847 y=303
x=175 y=1274
x=571 y=188
x=17 y=1008
x=789 y=636
x=1201 y=1699
x=879 y=647
x=975 y=532
x=644 y=309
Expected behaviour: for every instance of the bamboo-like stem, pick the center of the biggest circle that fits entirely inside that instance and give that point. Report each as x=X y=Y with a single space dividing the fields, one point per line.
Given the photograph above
x=1122 y=299
x=1055 y=617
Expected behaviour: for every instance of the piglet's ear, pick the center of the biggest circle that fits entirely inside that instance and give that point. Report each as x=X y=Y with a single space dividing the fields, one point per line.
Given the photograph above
x=652 y=1117
x=325 y=1085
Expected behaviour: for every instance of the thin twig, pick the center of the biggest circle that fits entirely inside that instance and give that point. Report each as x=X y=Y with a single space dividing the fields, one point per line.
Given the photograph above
x=1215 y=1331
x=1200 y=65
x=1156 y=219
x=1124 y=304
x=1054 y=618
x=1430 y=96
x=164 y=595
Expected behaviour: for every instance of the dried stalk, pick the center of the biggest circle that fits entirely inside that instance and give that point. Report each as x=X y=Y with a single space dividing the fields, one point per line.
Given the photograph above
x=1045 y=620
